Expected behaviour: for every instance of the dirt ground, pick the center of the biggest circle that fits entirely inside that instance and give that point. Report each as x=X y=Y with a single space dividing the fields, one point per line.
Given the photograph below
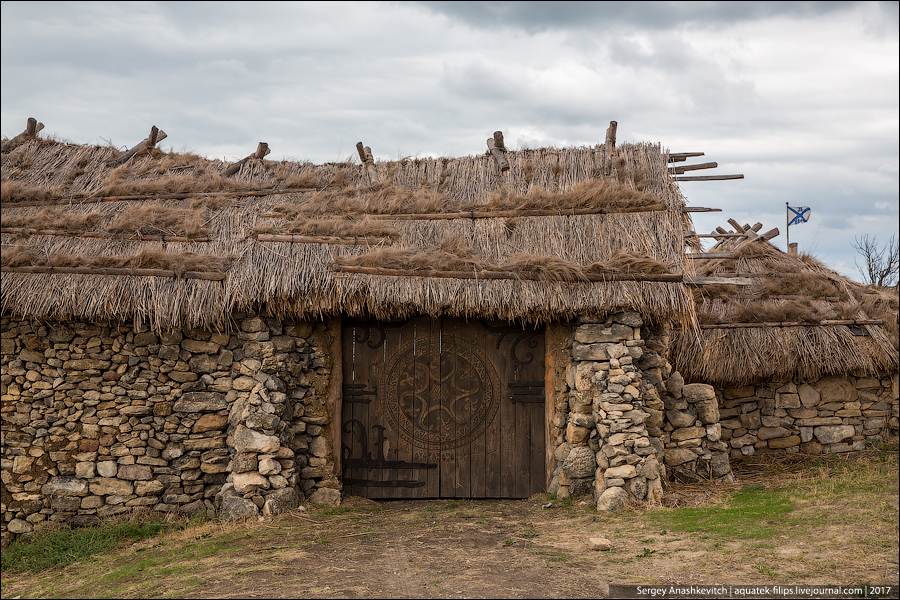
x=515 y=549
x=487 y=548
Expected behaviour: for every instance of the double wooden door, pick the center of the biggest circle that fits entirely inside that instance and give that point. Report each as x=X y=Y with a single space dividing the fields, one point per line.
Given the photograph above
x=442 y=409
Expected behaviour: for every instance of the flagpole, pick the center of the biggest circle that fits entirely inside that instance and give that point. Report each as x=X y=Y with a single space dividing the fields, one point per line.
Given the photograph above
x=787 y=225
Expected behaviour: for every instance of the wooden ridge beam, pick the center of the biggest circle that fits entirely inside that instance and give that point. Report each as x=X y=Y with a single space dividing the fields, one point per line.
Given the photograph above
x=324 y=239
x=708 y=177
x=175 y=196
x=701 y=281
x=104 y=235
x=591 y=277
x=827 y=323
x=477 y=214
x=205 y=275
x=690 y=209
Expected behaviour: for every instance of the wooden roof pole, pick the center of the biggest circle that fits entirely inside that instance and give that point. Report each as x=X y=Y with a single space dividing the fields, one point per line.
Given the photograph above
x=156 y=135
x=261 y=151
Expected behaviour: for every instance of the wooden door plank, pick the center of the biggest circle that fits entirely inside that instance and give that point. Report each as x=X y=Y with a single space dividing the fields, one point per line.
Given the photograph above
x=478 y=445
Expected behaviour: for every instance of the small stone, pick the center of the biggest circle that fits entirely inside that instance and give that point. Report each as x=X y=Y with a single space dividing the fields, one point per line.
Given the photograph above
x=326 y=497
x=235 y=508
x=599 y=544
x=280 y=501
x=20 y=526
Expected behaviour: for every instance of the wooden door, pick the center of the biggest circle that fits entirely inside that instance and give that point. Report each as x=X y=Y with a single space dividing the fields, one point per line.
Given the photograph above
x=442 y=409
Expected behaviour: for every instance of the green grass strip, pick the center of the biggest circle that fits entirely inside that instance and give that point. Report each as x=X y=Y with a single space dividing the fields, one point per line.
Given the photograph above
x=60 y=548
x=751 y=513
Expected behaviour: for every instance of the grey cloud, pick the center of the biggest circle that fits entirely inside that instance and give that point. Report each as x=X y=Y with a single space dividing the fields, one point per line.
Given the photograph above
x=542 y=16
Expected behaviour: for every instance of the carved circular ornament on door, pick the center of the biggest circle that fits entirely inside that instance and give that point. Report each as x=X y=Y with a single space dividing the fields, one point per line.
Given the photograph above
x=440 y=394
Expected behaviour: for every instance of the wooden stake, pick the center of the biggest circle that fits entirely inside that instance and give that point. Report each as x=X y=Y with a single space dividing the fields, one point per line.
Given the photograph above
x=610 y=142
x=365 y=155
x=156 y=135
x=262 y=150
x=498 y=141
x=32 y=127
x=497 y=153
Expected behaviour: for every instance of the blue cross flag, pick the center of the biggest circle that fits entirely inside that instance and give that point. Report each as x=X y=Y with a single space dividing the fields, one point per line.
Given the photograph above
x=801 y=214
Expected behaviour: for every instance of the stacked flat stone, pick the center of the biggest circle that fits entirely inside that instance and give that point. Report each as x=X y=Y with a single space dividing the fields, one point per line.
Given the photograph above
x=100 y=419
x=607 y=449
x=693 y=436
x=833 y=414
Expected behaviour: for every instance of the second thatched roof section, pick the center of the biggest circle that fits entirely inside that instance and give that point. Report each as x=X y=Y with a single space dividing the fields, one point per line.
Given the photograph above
x=798 y=319
x=166 y=239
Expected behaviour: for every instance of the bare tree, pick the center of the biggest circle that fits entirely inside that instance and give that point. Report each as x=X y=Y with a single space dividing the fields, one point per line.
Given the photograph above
x=882 y=265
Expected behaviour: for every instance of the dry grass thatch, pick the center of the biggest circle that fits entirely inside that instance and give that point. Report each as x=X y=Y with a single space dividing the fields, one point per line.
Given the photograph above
x=797 y=289
x=331 y=200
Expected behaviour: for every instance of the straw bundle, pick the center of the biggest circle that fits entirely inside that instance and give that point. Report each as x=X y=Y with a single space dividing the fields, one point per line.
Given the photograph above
x=298 y=279
x=788 y=289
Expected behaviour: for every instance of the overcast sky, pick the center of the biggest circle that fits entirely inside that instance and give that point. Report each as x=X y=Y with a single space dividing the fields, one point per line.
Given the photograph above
x=802 y=98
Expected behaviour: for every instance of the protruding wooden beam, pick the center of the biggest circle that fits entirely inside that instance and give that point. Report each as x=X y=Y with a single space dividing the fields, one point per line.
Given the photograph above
x=690 y=209
x=712 y=235
x=708 y=177
x=704 y=255
x=497 y=153
x=32 y=127
x=737 y=226
x=261 y=151
x=610 y=142
x=156 y=135
x=683 y=156
x=681 y=169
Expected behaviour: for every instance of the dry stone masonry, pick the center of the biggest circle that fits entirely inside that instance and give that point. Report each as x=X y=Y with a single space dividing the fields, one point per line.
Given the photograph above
x=100 y=418
x=833 y=414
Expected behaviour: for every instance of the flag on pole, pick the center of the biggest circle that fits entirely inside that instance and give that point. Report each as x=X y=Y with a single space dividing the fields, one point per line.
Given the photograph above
x=801 y=215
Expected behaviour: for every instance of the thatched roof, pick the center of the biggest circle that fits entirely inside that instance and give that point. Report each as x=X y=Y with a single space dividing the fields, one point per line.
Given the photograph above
x=778 y=327
x=167 y=239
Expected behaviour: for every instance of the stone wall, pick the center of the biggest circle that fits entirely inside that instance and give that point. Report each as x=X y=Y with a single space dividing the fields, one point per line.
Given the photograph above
x=833 y=414
x=102 y=418
x=607 y=412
